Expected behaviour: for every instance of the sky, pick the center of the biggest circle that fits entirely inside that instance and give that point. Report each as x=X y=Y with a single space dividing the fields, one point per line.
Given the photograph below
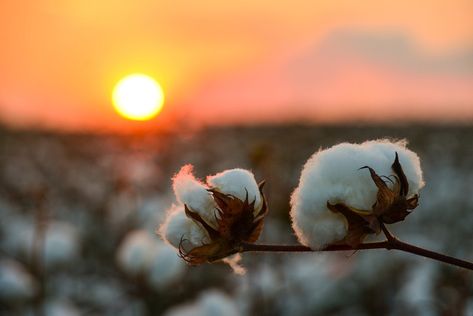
x=239 y=62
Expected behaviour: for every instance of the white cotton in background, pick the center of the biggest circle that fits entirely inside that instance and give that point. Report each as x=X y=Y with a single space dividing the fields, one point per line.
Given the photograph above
x=61 y=244
x=165 y=267
x=178 y=227
x=310 y=286
x=18 y=235
x=136 y=252
x=147 y=216
x=417 y=294
x=142 y=253
x=61 y=308
x=121 y=208
x=239 y=183
x=194 y=194
x=334 y=175
x=468 y=307
x=210 y=303
x=16 y=283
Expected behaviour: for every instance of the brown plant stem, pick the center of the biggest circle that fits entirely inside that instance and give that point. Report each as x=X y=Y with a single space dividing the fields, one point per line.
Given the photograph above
x=391 y=243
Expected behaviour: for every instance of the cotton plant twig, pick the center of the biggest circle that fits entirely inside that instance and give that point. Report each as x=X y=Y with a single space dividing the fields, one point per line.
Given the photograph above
x=391 y=243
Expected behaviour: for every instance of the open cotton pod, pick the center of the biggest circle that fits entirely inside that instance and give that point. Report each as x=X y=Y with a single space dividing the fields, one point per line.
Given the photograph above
x=350 y=190
x=213 y=219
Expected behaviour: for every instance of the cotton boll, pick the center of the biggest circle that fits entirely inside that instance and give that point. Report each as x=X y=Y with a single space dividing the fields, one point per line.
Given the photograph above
x=194 y=194
x=136 y=251
x=333 y=175
x=211 y=303
x=16 y=283
x=179 y=228
x=165 y=267
x=239 y=183
x=195 y=221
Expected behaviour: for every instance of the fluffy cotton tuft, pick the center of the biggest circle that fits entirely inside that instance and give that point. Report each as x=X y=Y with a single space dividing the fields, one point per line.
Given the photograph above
x=194 y=194
x=239 y=183
x=179 y=228
x=333 y=175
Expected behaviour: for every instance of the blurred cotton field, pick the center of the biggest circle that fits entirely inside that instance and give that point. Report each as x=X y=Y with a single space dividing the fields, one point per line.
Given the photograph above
x=78 y=215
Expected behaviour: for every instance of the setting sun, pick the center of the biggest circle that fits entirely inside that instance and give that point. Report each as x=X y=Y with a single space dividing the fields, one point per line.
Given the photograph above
x=138 y=97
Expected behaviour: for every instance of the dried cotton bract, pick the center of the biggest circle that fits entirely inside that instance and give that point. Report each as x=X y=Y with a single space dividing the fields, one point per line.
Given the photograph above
x=213 y=219
x=348 y=191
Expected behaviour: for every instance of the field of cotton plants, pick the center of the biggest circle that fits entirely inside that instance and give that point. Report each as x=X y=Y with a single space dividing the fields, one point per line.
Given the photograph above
x=78 y=215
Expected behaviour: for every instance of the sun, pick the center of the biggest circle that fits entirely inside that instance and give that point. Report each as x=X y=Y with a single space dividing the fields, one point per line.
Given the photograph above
x=138 y=97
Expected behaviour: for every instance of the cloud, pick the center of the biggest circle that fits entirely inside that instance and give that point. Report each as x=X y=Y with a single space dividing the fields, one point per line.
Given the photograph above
x=348 y=74
x=393 y=49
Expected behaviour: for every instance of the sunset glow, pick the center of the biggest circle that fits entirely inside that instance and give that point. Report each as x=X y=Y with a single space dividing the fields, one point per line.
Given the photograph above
x=236 y=62
x=138 y=97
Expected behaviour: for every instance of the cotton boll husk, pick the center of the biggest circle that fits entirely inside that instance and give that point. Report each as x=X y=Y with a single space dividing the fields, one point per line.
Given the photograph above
x=178 y=227
x=16 y=283
x=239 y=183
x=165 y=267
x=136 y=251
x=334 y=175
x=194 y=194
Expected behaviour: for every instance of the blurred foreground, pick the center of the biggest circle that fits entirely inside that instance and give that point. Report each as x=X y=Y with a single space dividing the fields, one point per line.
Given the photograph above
x=78 y=214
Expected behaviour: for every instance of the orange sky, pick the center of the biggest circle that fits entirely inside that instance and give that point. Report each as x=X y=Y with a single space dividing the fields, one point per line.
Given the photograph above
x=237 y=62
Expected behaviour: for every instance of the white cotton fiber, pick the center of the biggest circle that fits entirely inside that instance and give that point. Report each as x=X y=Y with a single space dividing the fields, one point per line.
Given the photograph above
x=143 y=254
x=334 y=175
x=16 y=283
x=136 y=251
x=237 y=182
x=165 y=267
x=194 y=194
x=210 y=303
x=61 y=308
x=61 y=244
x=178 y=227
